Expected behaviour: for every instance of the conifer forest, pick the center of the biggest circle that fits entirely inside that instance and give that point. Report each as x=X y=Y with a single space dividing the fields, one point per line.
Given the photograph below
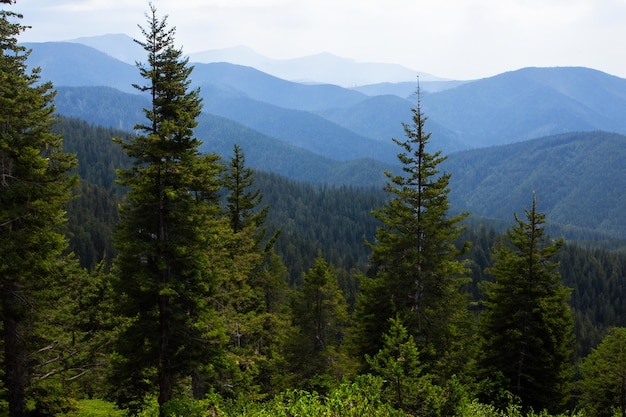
x=140 y=276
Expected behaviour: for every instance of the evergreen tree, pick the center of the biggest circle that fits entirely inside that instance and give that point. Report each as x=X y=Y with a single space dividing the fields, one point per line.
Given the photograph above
x=243 y=203
x=397 y=362
x=603 y=384
x=252 y=295
x=415 y=272
x=527 y=326
x=34 y=186
x=168 y=231
x=321 y=319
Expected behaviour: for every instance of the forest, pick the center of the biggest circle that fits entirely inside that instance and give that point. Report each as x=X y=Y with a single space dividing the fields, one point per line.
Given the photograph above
x=142 y=276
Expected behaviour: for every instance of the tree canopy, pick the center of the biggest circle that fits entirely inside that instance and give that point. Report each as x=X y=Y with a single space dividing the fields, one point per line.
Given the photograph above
x=527 y=328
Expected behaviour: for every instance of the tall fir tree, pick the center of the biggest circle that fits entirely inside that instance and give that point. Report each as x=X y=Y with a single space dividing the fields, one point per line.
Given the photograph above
x=168 y=229
x=527 y=327
x=321 y=320
x=415 y=272
x=253 y=281
x=34 y=186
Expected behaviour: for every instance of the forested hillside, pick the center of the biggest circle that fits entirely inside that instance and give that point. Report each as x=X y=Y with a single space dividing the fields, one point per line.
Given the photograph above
x=578 y=178
x=336 y=221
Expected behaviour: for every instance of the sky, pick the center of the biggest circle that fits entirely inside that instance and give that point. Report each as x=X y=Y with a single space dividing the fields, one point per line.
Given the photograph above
x=455 y=39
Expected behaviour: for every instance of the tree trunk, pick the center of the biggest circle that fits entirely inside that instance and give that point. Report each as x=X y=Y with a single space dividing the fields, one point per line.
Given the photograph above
x=16 y=377
x=166 y=379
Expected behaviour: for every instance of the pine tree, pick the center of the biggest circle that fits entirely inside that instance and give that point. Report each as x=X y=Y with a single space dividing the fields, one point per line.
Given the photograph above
x=169 y=229
x=406 y=384
x=243 y=203
x=34 y=186
x=321 y=319
x=252 y=295
x=603 y=384
x=527 y=327
x=397 y=362
x=415 y=274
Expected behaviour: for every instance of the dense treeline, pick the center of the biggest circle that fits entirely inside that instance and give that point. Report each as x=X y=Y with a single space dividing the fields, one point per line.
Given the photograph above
x=335 y=221
x=195 y=286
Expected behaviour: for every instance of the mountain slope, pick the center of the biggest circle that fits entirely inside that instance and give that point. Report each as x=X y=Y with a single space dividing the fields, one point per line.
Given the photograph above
x=530 y=103
x=116 y=45
x=303 y=129
x=322 y=68
x=382 y=118
x=104 y=106
x=507 y=108
x=108 y=107
x=579 y=180
x=76 y=65
x=252 y=83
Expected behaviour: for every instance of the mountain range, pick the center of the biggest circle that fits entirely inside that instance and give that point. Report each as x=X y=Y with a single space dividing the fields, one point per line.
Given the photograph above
x=328 y=133
x=323 y=68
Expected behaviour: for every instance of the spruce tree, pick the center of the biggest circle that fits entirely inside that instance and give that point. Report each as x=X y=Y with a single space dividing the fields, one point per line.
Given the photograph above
x=34 y=186
x=320 y=318
x=243 y=203
x=415 y=274
x=169 y=227
x=398 y=363
x=252 y=291
x=603 y=384
x=527 y=327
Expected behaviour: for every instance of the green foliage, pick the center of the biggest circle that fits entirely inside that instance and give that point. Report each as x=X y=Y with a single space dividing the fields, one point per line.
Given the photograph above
x=314 y=219
x=578 y=200
x=198 y=303
x=526 y=329
x=603 y=371
x=95 y=408
x=93 y=214
x=34 y=184
x=170 y=231
x=362 y=397
x=320 y=317
x=596 y=277
x=415 y=261
x=98 y=156
x=397 y=362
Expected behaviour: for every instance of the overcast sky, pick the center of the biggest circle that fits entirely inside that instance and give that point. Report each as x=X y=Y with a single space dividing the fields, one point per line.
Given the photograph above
x=458 y=39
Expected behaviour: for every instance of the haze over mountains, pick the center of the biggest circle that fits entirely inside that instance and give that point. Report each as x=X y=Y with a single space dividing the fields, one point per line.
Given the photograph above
x=328 y=133
x=321 y=68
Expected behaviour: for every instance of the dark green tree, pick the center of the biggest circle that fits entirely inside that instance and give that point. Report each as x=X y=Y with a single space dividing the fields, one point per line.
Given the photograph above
x=527 y=327
x=320 y=315
x=397 y=362
x=34 y=186
x=415 y=271
x=168 y=229
x=603 y=384
x=242 y=201
x=253 y=294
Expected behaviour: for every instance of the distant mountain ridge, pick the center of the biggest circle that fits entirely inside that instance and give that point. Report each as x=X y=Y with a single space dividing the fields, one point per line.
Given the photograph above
x=77 y=65
x=507 y=108
x=325 y=133
x=322 y=68
x=530 y=103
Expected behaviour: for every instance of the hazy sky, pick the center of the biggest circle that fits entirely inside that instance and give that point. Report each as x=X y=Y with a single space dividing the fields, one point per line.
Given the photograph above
x=460 y=39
